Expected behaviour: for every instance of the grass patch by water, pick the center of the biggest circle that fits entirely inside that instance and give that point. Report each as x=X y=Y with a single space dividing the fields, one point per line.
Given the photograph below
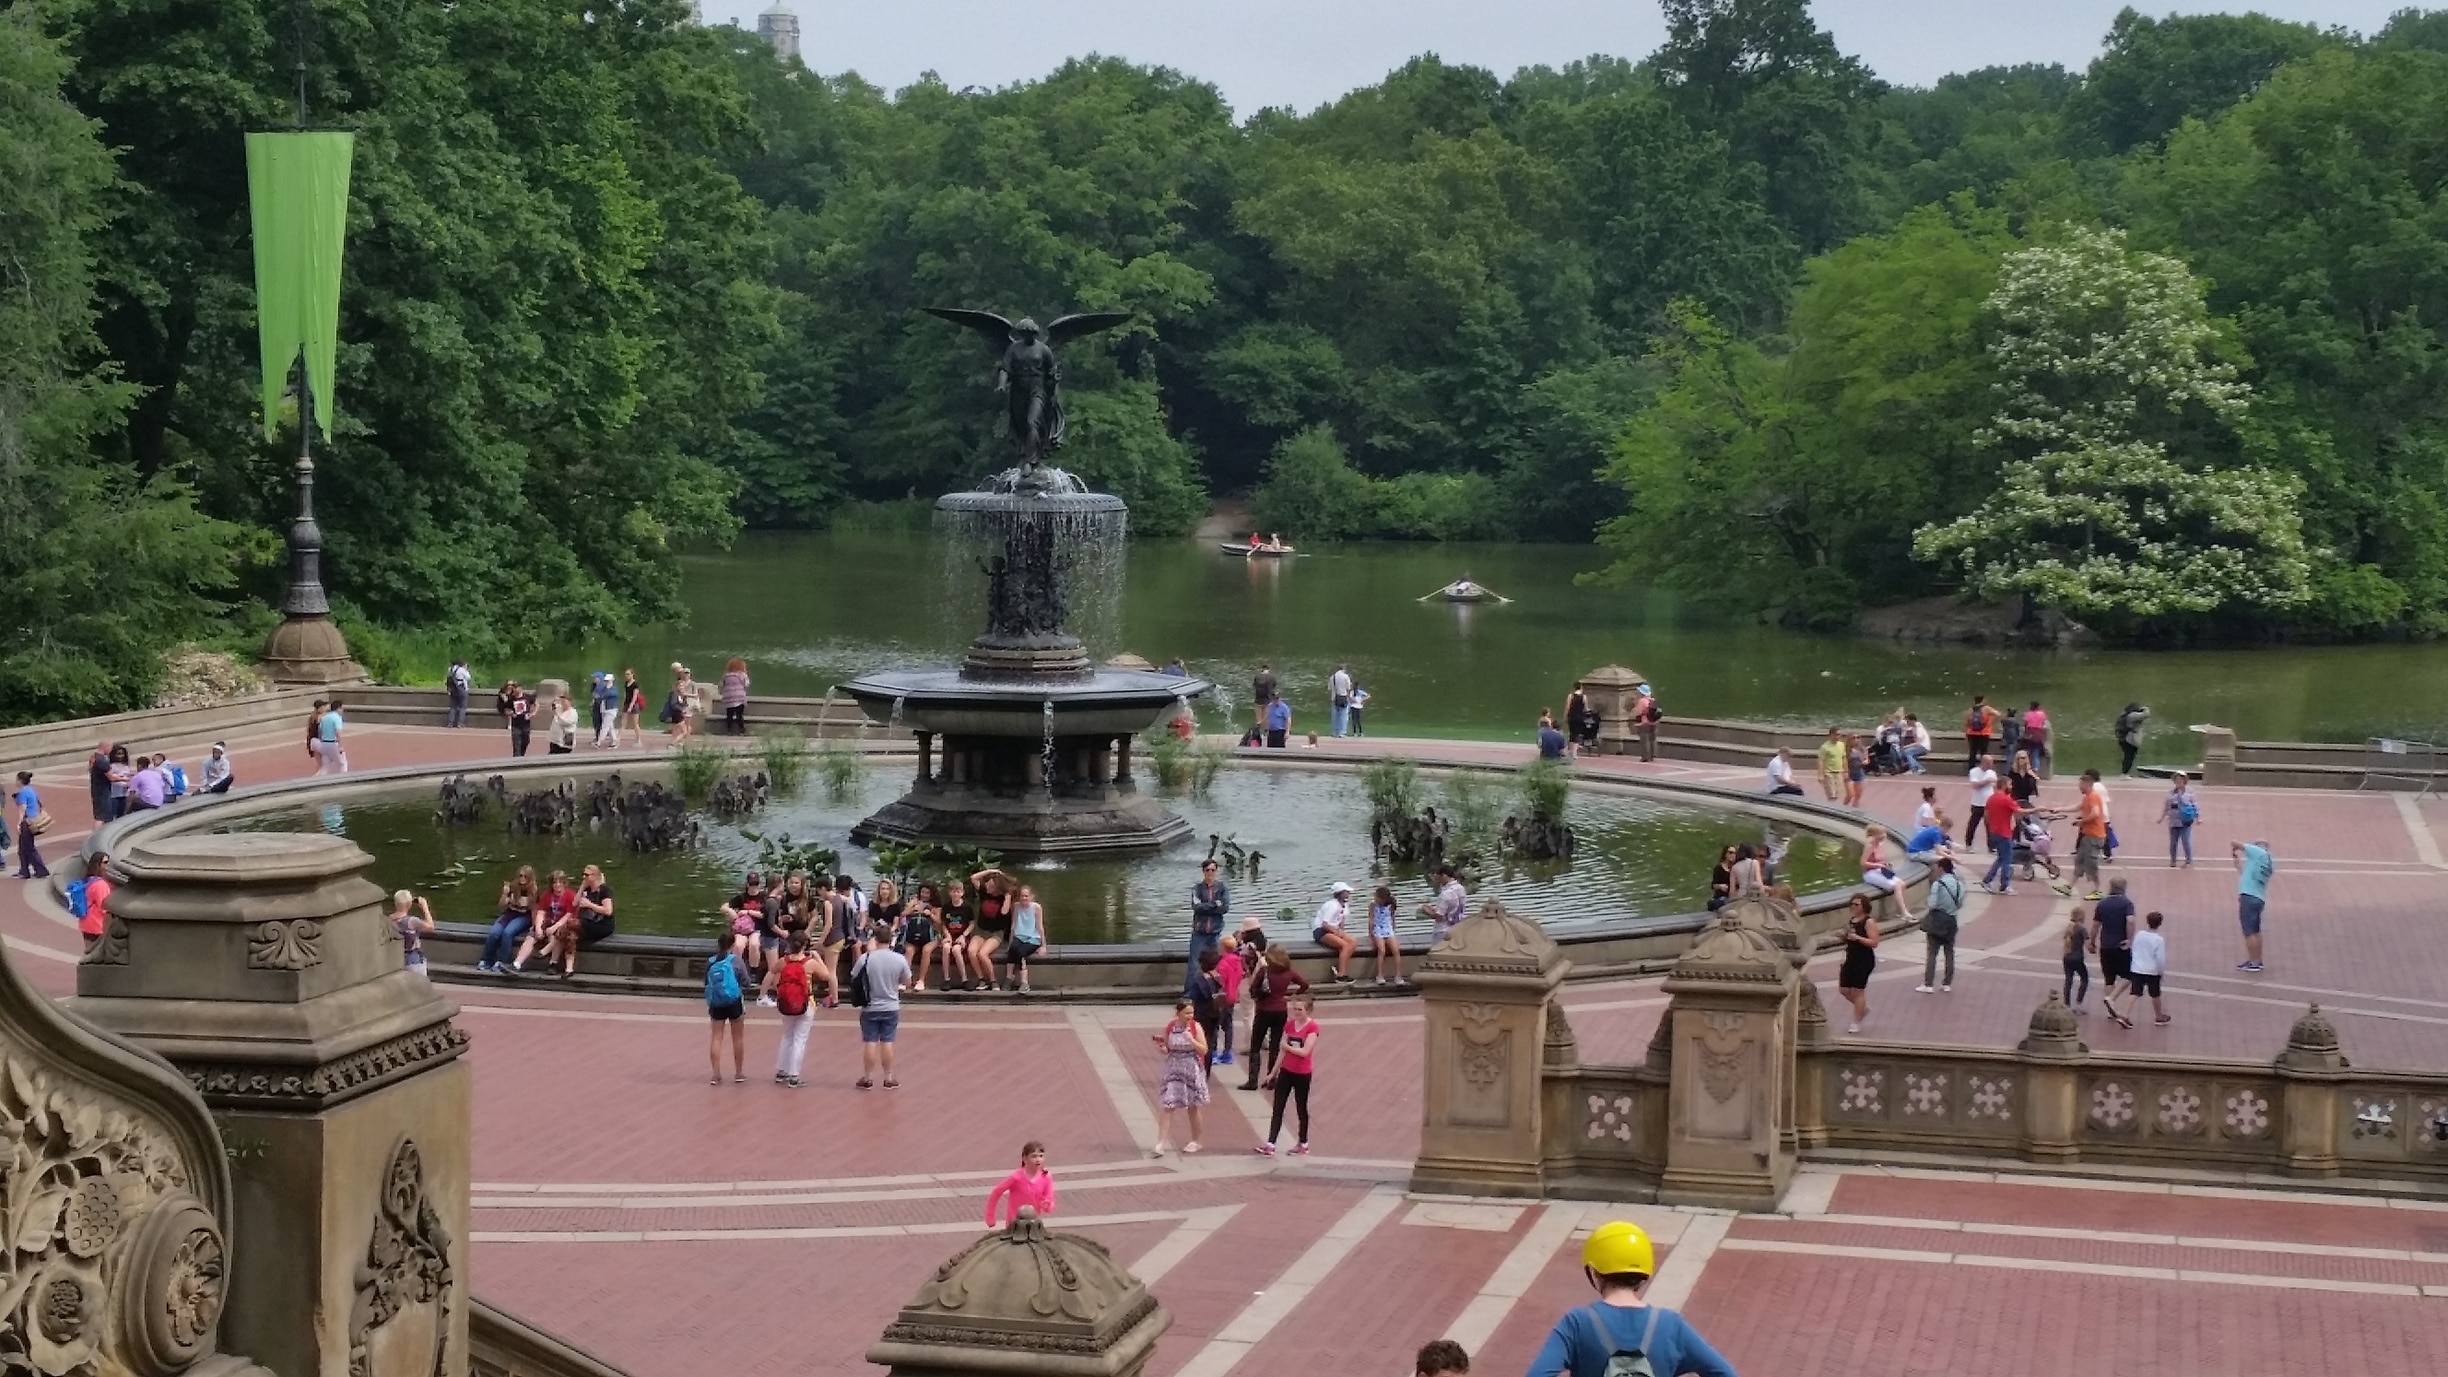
x=843 y=770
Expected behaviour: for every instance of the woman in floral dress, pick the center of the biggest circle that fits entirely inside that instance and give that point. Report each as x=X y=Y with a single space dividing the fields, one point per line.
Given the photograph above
x=1183 y=1087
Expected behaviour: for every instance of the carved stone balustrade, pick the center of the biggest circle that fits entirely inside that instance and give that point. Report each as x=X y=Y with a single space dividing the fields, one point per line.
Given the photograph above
x=263 y=967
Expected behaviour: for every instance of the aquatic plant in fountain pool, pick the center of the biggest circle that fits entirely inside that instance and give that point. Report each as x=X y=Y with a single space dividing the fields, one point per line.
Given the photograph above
x=1636 y=856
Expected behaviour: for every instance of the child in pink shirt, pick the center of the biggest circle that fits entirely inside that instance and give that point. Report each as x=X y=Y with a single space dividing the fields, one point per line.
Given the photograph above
x=1032 y=1185
x=1229 y=970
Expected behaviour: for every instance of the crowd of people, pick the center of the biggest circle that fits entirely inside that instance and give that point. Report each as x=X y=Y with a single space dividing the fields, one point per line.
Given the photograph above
x=2007 y=815
x=615 y=708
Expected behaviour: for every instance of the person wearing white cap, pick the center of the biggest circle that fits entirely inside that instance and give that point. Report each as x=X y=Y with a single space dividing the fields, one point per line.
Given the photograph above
x=1328 y=927
x=218 y=775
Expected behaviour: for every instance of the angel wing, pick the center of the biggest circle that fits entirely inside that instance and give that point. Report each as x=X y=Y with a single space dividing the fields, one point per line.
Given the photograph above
x=1084 y=323
x=995 y=328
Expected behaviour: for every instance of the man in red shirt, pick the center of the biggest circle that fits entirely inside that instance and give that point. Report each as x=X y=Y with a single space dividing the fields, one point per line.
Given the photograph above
x=2001 y=811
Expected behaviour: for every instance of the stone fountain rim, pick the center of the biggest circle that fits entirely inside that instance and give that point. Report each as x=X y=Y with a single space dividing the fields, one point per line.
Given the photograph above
x=1824 y=818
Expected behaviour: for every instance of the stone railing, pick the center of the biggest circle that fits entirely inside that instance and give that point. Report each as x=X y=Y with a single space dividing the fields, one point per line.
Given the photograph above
x=1743 y=1078
x=2053 y=1099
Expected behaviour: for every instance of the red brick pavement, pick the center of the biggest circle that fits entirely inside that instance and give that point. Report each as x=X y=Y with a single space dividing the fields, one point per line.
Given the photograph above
x=592 y=1090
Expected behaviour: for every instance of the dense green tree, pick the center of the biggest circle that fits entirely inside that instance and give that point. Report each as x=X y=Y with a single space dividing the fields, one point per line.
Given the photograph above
x=100 y=568
x=1790 y=477
x=553 y=301
x=2315 y=209
x=2157 y=73
x=2113 y=392
x=1774 y=85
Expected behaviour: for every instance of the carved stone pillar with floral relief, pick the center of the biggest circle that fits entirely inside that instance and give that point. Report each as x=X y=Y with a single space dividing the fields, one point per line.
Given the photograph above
x=264 y=968
x=1727 y=1136
x=1487 y=988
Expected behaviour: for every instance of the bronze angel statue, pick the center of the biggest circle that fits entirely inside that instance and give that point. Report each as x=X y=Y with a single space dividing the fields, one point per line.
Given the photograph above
x=1027 y=370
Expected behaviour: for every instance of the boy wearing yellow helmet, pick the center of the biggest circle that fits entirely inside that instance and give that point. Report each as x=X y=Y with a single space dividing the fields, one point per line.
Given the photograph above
x=1620 y=1335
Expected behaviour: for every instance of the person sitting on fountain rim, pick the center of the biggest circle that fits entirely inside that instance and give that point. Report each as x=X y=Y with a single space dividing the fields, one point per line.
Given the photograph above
x=1328 y=930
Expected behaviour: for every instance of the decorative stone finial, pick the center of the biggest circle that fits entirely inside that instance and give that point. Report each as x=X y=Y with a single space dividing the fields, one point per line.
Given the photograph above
x=1026 y=1299
x=1561 y=1047
x=1494 y=941
x=1775 y=916
x=2312 y=1044
x=1729 y=950
x=2053 y=1031
x=1810 y=1016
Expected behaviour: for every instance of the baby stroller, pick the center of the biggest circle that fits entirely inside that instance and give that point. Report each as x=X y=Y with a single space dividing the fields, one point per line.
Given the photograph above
x=2032 y=844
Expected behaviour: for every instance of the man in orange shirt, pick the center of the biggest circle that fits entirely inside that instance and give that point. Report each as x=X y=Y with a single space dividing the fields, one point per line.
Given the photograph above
x=2090 y=832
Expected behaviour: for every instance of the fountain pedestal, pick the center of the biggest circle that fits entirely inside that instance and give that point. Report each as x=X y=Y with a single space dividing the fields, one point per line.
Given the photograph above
x=1025 y=749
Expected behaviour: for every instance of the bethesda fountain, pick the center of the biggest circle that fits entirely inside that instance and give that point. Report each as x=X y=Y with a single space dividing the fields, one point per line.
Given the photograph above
x=1025 y=747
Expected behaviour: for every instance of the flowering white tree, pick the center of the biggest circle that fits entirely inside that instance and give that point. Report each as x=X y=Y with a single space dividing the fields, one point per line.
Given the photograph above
x=2105 y=351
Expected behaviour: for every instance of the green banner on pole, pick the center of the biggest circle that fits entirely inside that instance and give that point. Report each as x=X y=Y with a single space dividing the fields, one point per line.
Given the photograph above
x=297 y=186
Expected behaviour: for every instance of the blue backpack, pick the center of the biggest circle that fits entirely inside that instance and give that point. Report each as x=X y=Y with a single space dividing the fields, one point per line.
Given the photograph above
x=722 y=982
x=76 y=898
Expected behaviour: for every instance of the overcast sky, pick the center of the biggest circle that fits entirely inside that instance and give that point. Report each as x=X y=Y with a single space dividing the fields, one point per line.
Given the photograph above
x=1305 y=52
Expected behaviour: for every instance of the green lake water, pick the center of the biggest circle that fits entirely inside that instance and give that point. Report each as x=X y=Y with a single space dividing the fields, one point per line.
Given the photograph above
x=1636 y=856
x=812 y=610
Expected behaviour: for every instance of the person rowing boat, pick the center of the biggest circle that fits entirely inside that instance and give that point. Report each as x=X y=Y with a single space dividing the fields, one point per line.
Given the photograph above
x=1463 y=590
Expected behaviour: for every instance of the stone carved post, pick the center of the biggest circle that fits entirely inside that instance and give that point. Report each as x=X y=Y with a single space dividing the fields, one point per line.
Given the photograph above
x=2052 y=1051
x=2309 y=1071
x=261 y=966
x=1612 y=690
x=2218 y=754
x=1726 y=1129
x=1487 y=989
x=1805 y=1116
x=1025 y=1302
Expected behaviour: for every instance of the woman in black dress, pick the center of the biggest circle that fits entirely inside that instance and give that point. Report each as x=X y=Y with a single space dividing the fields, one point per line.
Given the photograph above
x=1861 y=938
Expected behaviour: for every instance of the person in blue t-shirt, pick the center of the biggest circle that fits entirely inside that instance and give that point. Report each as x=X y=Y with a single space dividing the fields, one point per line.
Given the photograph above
x=2254 y=866
x=1619 y=1261
x=29 y=807
x=1551 y=741
x=1279 y=722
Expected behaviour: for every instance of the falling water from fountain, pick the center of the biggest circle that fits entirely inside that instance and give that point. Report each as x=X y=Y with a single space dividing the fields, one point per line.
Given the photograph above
x=1029 y=717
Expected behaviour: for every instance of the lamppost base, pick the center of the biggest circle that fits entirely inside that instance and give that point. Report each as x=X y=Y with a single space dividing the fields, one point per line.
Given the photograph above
x=309 y=650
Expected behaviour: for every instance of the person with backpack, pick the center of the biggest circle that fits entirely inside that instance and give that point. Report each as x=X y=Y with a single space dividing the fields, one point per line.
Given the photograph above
x=1619 y=1334
x=32 y=821
x=724 y=1006
x=89 y=899
x=1206 y=996
x=458 y=681
x=1940 y=919
x=795 y=1000
x=2180 y=810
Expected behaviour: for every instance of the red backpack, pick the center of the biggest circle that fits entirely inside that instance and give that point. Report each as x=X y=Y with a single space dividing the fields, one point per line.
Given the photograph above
x=791 y=993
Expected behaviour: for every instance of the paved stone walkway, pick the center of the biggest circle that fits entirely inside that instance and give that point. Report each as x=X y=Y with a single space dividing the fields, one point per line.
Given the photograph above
x=671 y=1225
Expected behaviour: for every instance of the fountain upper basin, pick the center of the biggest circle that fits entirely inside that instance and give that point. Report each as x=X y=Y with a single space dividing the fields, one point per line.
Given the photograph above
x=1116 y=701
